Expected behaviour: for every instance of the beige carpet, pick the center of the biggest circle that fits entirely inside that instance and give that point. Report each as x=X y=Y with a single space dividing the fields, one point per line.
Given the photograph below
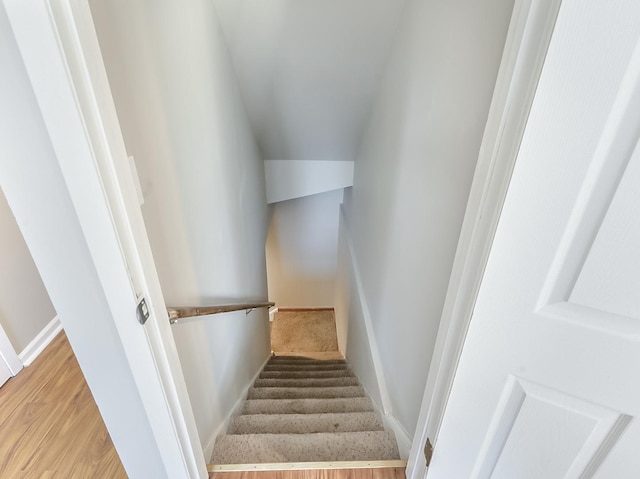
x=302 y=331
x=306 y=410
x=302 y=409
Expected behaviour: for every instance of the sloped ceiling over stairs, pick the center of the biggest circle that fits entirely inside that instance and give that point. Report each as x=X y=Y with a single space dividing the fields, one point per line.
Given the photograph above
x=308 y=70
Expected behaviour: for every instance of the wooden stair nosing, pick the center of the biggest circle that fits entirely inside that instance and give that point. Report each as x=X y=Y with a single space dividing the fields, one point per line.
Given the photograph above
x=306 y=466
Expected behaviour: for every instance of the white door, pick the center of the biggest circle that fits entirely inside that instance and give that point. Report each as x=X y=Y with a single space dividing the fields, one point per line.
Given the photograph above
x=548 y=385
x=5 y=374
x=10 y=364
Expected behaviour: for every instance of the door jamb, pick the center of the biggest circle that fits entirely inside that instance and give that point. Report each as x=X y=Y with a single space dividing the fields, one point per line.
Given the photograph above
x=528 y=38
x=8 y=354
x=164 y=395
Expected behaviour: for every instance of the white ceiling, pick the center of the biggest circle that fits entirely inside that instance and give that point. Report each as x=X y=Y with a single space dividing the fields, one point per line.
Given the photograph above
x=308 y=70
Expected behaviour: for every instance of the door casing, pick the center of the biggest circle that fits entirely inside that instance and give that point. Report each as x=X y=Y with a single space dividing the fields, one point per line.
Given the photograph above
x=61 y=54
x=528 y=38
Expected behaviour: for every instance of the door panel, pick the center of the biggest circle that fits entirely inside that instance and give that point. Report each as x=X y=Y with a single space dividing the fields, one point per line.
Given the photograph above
x=609 y=279
x=548 y=385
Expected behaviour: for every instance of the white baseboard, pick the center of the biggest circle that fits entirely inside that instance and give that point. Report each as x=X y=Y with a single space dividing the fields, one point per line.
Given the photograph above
x=41 y=341
x=272 y=313
x=402 y=436
x=235 y=410
x=366 y=315
x=391 y=423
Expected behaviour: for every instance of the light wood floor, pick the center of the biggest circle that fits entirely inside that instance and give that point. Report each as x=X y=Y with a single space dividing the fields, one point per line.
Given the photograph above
x=50 y=427
x=381 y=473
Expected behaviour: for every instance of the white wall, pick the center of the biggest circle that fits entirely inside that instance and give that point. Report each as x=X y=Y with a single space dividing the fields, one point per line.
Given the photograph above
x=309 y=70
x=25 y=307
x=302 y=250
x=412 y=178
x=288 y=179
x=203 y=183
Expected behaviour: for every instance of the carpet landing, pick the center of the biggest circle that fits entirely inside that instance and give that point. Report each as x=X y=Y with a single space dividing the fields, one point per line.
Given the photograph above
x=305 y=410
x=301 y=331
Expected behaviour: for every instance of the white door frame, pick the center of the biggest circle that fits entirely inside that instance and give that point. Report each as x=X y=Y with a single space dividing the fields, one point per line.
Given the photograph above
x=8 y=354
x=61 y=54
x=526 y=45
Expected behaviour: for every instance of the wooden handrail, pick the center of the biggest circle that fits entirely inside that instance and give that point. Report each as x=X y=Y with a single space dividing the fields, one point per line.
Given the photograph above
x=177 y=314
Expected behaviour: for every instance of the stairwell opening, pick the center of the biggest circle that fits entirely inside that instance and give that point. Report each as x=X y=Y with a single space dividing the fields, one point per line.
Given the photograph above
x=307 y=405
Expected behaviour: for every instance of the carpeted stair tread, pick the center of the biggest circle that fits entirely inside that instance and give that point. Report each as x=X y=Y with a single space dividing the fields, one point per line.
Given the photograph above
x=310 y=355
x=305 y=423
x=307 y=406
x=339 y=373
x=306 y=382
x=304 y=361
x=306 y=410
x=305 y=367
x=308 y=392
x=320 y=447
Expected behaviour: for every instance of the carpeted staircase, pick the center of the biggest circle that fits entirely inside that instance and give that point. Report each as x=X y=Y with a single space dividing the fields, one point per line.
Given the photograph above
x=305 y=410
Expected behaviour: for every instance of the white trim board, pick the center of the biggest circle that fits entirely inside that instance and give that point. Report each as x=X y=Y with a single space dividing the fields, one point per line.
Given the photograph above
x=391 y=422
x=403 y=438
x=61 y=54
x=8 y=354
x=532 y=24
x=40 y=342
x=305 y=466
x=373 y=344
x=235 y=410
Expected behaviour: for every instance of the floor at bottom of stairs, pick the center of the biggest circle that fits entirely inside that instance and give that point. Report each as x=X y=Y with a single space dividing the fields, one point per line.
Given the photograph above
x=376 y=473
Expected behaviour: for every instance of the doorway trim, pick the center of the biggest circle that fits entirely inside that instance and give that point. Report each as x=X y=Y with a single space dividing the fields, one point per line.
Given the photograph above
x=60 y=50
x=532 y=24
x=8 y=354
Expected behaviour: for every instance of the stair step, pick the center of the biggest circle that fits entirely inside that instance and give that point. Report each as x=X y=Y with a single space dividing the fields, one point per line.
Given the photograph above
x=305 y=367
x=320 y=447
x=306 y=382
x=300 y=393
x=305 y=423
x=304 y=361
x=339 y=373
x=307 y=406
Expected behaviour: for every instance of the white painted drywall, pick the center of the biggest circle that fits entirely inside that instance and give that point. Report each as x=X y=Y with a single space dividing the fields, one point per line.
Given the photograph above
x=302 y=250
x=36 y=191
x=412 y=178
x=203 y=182
x=343 y=284
x=25 y=307
x=287 y=179
x=344 y=273
x=308 y=70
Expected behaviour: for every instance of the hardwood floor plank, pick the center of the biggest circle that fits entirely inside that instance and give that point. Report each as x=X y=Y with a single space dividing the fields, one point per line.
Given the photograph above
x=50 y=425
x=30 y=380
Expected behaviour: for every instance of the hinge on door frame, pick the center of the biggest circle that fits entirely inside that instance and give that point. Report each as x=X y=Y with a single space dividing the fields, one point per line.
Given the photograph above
x=428 y=451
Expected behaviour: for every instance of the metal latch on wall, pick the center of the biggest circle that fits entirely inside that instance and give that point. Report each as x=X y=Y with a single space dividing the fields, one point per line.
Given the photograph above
x=142 y=311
